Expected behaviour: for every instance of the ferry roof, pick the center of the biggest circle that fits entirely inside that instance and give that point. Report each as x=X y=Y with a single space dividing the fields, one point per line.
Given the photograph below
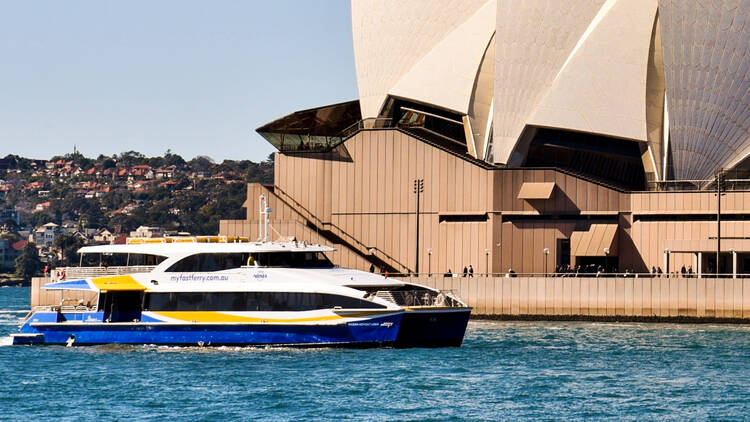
x=170 y=249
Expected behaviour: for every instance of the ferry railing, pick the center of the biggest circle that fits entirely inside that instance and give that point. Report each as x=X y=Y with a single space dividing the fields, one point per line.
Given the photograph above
x=581 y=274
x=72 y=273
x=421 y=297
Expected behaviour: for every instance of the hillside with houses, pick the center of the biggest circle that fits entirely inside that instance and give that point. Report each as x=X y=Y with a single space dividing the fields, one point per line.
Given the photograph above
x=49 y=208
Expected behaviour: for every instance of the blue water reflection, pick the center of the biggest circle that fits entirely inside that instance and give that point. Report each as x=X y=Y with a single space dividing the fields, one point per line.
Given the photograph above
x=505 y=370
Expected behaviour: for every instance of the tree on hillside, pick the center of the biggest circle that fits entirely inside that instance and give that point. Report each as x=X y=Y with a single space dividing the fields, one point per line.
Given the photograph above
x=108 y=163
x=132 y=158
x=78 y=159
x=173 y=159
x=28 y=263
x=38 y=218
x=201 y=163
x=260 y=172
x=18 y=163
x=68 y=244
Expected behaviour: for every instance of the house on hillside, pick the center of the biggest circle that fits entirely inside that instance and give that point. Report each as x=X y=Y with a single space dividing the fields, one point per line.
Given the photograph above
x=104 y=236
x=8 y=255
x=142 y=170
x=126 y=210
x=147 y=232
x=44 y=236
x=33 y=186
x=169 y=184
x=42 y=206
x=167 y=172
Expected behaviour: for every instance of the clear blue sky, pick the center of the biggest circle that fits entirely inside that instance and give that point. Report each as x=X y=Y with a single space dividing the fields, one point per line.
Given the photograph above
x=196 y=77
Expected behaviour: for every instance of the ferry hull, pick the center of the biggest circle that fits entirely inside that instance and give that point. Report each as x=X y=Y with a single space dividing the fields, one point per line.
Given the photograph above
x=433 y=327
x=381 y=331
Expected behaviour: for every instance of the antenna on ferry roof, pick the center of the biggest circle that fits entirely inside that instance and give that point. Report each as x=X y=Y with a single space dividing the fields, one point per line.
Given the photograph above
x=264 y=211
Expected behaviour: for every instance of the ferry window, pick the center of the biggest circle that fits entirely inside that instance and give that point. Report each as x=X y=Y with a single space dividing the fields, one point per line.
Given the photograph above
x=144 y=259
x=293 y=259
x=188 y=264
x=252 y=301
x=206 y=262
x=120 y=259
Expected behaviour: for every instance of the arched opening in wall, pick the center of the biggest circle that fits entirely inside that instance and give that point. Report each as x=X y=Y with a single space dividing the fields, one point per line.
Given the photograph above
x=442 y=127
x=611 y=160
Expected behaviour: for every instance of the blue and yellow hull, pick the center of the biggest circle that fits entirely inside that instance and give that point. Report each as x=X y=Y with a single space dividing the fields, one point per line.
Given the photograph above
x=90 y=329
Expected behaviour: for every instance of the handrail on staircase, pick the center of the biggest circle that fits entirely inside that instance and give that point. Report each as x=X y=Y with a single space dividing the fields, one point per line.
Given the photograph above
x=364 y=249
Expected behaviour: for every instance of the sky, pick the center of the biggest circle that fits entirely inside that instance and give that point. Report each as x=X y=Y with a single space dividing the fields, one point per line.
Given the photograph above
x=193 y=77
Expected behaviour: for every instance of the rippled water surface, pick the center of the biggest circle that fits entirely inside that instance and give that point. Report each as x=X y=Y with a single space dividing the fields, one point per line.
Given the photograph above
x=505 y=370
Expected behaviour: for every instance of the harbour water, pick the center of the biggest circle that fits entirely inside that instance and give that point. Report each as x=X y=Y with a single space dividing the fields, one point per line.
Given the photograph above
x=505 y=370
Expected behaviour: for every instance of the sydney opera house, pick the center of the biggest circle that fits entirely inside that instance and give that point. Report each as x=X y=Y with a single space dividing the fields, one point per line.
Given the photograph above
x=526 y=134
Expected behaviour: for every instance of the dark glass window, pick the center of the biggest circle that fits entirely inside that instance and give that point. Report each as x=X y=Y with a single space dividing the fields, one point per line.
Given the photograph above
x=210 y=262
x=293 y=259
x=119 y=259
x=252 y=301
x=225 y=261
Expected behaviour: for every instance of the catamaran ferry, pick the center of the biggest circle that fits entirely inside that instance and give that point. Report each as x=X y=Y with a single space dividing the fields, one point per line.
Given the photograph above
x=218 y=291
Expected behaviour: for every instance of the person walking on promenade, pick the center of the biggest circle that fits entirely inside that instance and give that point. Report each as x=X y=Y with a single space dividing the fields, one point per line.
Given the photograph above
x=471 y=271
x=466 y=272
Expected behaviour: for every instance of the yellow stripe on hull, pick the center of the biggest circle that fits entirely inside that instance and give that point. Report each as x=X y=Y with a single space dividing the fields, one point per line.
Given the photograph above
x=212 y=316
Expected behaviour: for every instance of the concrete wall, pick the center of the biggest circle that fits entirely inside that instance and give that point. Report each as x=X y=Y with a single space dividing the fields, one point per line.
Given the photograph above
x=362 y=191
x=600 y=297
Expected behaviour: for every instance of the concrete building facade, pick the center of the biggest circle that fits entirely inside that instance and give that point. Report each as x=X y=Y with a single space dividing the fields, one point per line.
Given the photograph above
x=545 y=133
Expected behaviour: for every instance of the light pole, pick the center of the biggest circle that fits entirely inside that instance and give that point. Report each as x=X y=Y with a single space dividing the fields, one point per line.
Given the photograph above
x=487 y=261
x=418 y=189
x=606 y=260
x=429 y=262
x=666 y=261
x=546 y=255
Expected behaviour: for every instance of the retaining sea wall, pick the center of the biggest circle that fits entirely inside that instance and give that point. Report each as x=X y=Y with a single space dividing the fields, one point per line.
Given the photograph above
x=601 y=298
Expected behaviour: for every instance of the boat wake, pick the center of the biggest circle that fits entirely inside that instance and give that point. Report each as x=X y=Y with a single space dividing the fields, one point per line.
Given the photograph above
x=6 y=341
x=12 y=317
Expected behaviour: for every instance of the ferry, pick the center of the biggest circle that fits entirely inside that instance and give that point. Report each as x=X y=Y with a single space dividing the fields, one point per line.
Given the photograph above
x=211 y=291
